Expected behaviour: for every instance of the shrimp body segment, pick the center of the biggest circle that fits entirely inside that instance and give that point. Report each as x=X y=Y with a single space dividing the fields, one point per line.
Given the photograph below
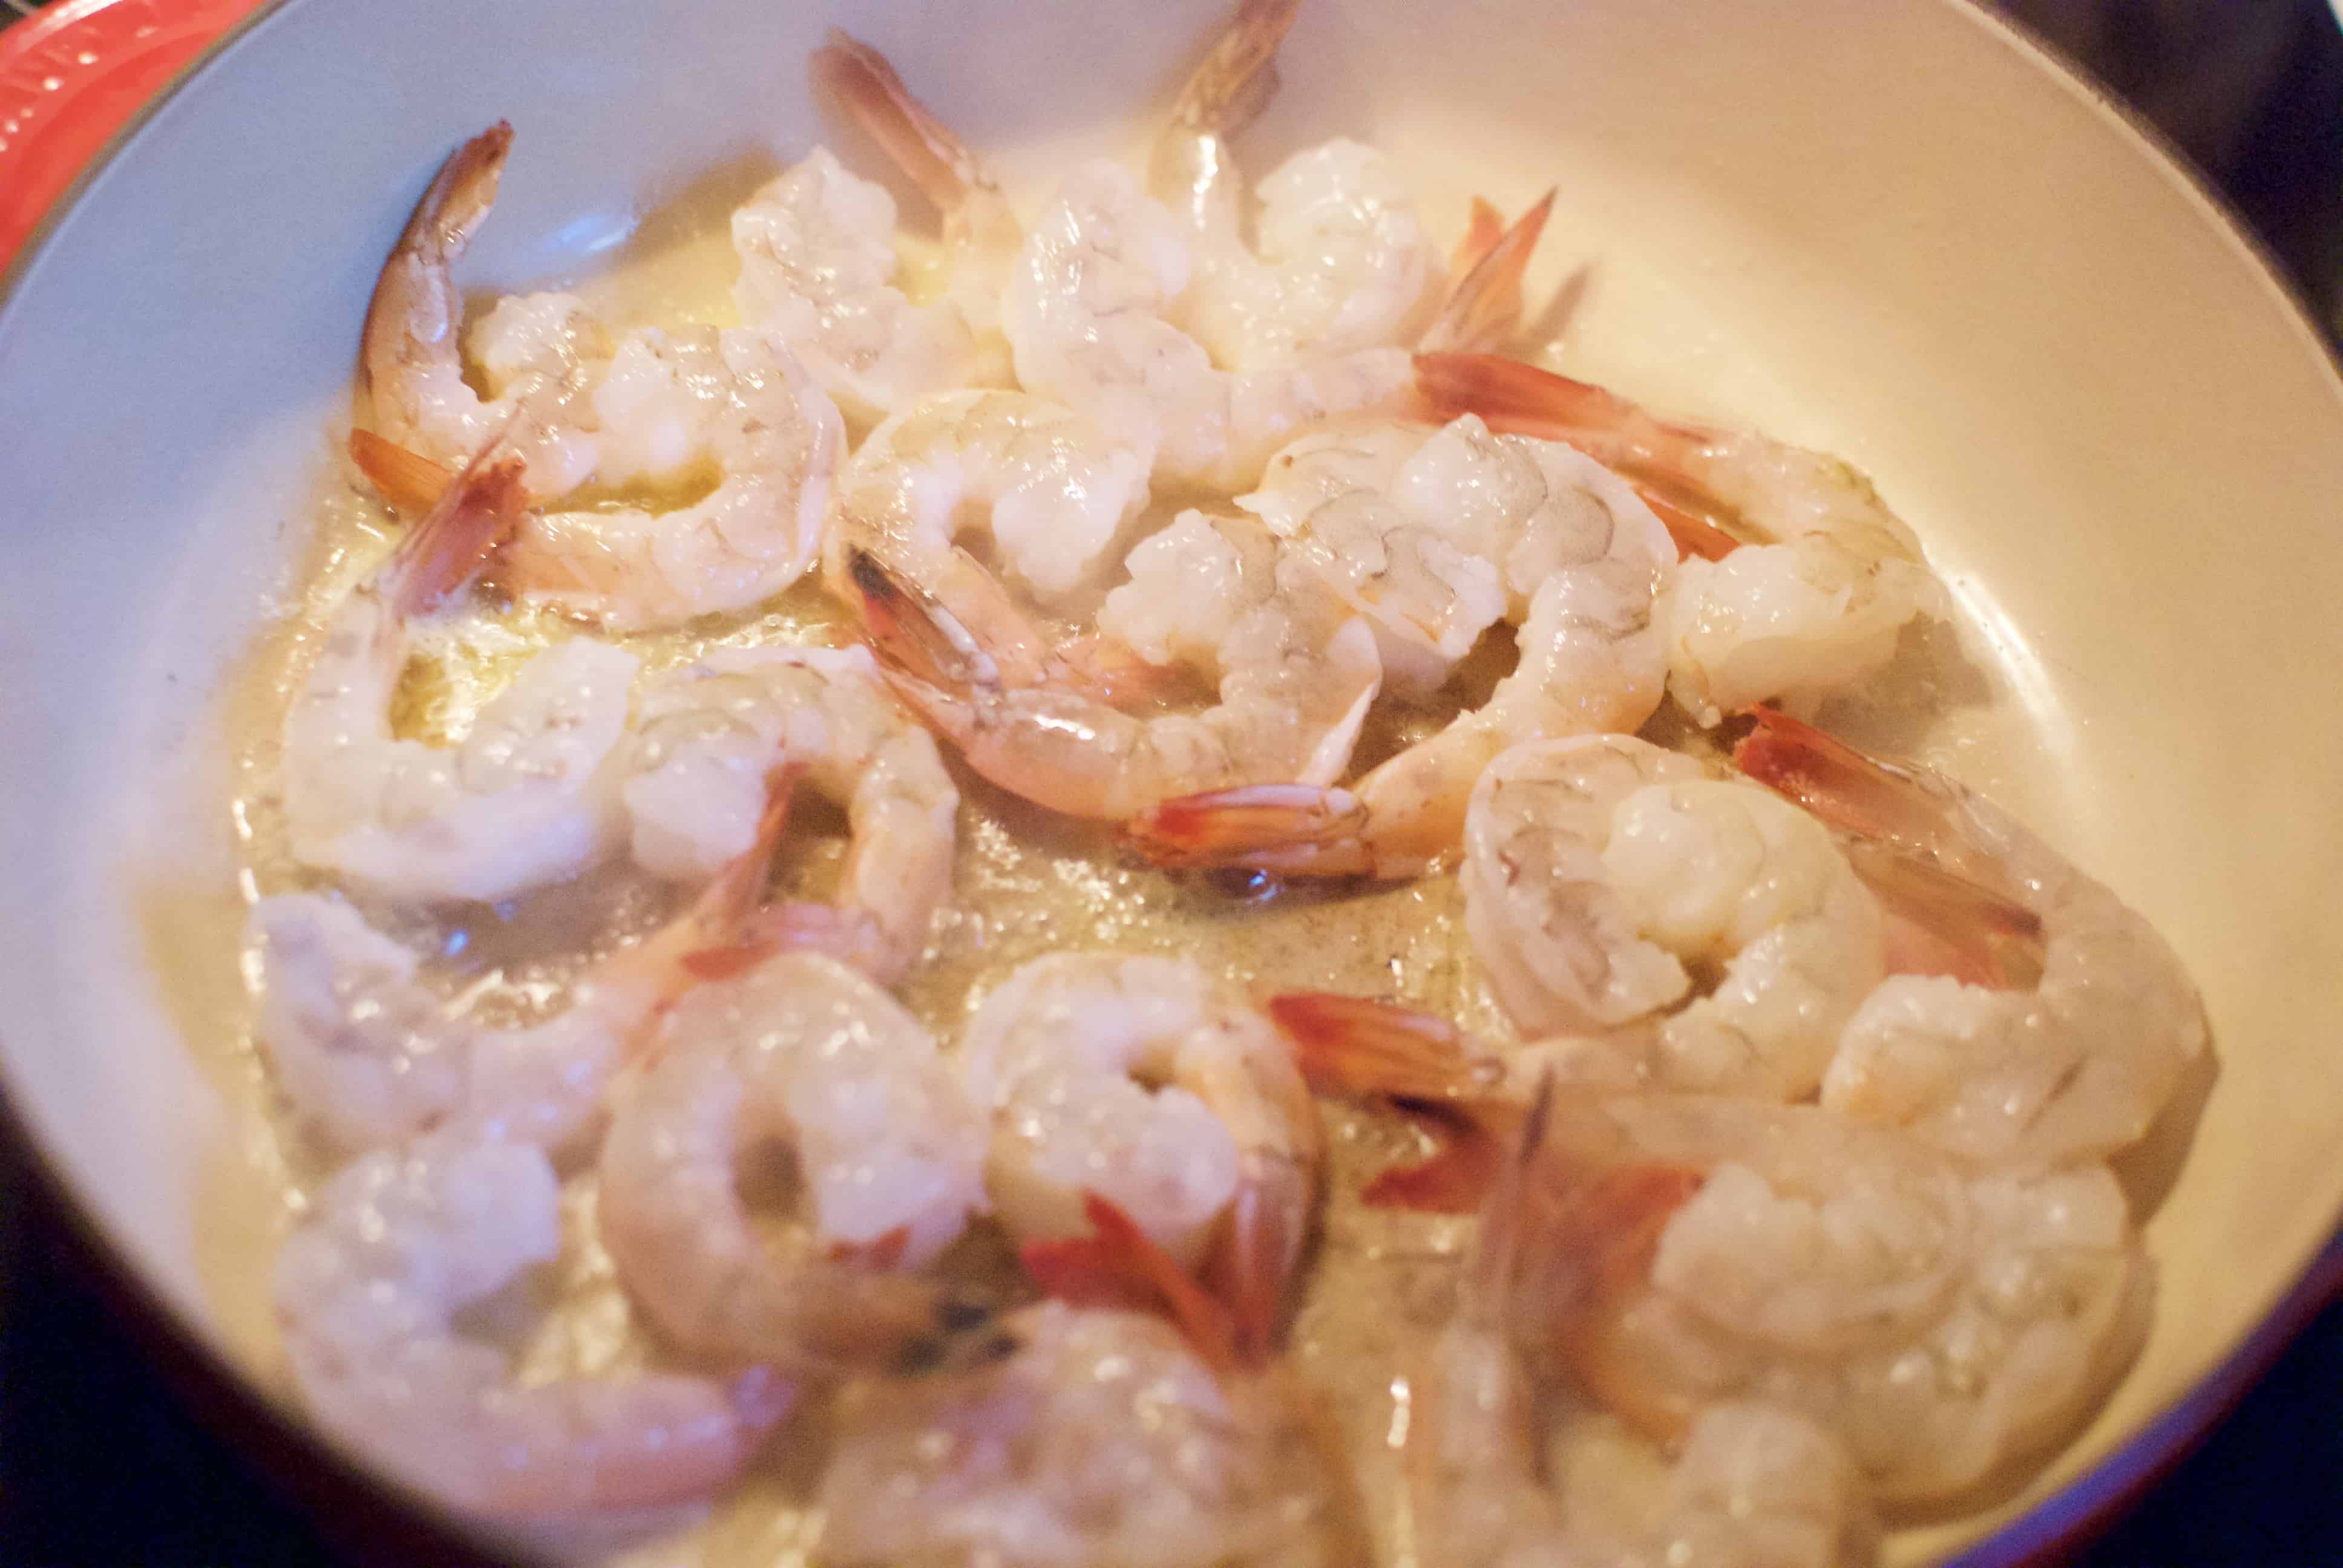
x=1099 y=1437
x=710 y=734
x=539 y=353
x=1601 y=873
x=1811 y=603
x=2076 y=1066
x=369 y=1057
x=673 y=407
x=1295 y=672
x=1562 y=548
x=804 y=1052
x=519 y=803
x=1143 y=1081
x=367 y=1291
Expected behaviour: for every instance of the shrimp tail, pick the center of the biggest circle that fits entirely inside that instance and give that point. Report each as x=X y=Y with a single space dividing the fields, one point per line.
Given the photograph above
x=1356 y=1045
x=1456 y=1177
x=407 y=479
x=911 y=632
x=850 y=936
x=865 y=84
x=1295 y=827
x=478 y=510
x=715 y=939
x=1482 y=228
x=451 y=208
x=1484 y=306
x=1239 y=76
x=1253 y=1261
x=1119 y=1265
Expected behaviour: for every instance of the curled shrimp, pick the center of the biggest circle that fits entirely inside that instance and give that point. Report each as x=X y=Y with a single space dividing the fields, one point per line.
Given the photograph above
x=1939 y=1318
x=674 y=406
x=1567 y=550
x=1603 y=876
x=538 y=353
x=368 y=1293
x=1340 y=259
x=1812 y=603
x=801 y=1053
x=1293 y=673
x=519 y=803
x=1752 y=1485
x=2076 y=1065
x=709 y=734
x=818 y=262
x=1142 y=1081
x=370 y=1057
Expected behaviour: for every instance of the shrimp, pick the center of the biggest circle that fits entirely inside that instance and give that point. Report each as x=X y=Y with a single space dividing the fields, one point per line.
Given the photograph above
x=539 y=353
x=2074 y=1067
x=1086 y=313
x=1812 y=605
x=1342 y=259
x=672 y=407
x=817 y=262
x=707 y=736
x=1938 y=1317
x=1098 y=1436
x=370 y=1057
x=370 y=1289
x=1602 y=875
x=1565 y=551
x=521 y=802
x=801 y=1053
x=1142 y=1081
x=1295 y=674
x=1753 y=1486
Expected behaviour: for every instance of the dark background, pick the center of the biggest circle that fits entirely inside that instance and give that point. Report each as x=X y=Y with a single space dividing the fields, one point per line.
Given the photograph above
x=99 y=1464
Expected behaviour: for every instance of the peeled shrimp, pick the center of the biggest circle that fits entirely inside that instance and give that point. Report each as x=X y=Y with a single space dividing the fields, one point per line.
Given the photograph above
x=1294 y=673
x=368 y=1290
x=1565 y=549
x=1752 y=1485
x=1811 y=605
x=539 y=353
x=1142 y=1081
x=708 y=735
x=369 y=1057
x=1938 y=1317
x=1096 y=1437
x=1602 y=874
x=519 y=803
x=804 y=1052
x=673 y=406
x=818 y=262
x=1340 y=259
x=2076 y=1066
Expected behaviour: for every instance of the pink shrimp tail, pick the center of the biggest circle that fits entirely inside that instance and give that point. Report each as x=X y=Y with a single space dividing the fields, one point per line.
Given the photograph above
x=407 y=479
x=1941 y=921
x=478 y=510
x=864 y=82
x=1119 y=1266
x=1238 y=76
x=1273 y=826
x=1483 y=307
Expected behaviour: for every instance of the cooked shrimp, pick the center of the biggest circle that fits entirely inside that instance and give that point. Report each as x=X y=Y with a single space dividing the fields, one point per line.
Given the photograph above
x=368 y=1293
x=540 y=354
x=1937 y=1317
x=1340 y=259
x=1098 y=1437
x=818 y=261
x=673 y=406
x=519 y=803
x=1143 y=1080
x=1602 y=875
x=1811 y=604
x=1753 y=1486
x=1295 y=672
x=2078 y=1065
x=1086 y=313
x=370 y=1057
x=1577 y=560
x=801 y=1053
x=710 y=734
